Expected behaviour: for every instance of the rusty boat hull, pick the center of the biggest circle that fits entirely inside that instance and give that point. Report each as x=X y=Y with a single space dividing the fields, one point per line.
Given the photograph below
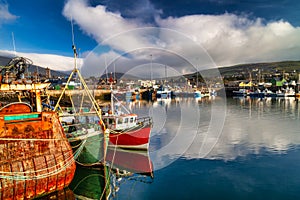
x=35 y=156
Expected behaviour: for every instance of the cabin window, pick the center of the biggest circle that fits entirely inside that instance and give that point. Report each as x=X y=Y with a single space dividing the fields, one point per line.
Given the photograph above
x=111 y=121
x=105 y=121
x=126 y=120
x=120 y=121
x=131 y=120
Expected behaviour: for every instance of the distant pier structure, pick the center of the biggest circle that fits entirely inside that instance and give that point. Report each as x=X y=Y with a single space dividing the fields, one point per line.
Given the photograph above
x=103 y=93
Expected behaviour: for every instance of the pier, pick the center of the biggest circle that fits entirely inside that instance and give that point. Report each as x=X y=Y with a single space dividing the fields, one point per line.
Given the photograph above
x=102 y=93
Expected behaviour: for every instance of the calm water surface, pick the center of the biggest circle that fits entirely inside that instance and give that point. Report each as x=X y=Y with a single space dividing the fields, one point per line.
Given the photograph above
x=216 y=149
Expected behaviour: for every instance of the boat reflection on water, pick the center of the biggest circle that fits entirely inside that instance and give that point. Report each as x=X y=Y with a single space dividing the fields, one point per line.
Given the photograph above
x=90 y=183
x=104 y=182
x=128 y=165
x=65 y=194
x=132 y=161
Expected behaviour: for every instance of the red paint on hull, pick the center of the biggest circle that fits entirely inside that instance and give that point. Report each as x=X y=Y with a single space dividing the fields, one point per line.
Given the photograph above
x=131 y=138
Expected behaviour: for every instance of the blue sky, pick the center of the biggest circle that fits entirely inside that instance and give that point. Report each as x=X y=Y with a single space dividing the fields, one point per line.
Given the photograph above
x=40 y=27
x=245 y=31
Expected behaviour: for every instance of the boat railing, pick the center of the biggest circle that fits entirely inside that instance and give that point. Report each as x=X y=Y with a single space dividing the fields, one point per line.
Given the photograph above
x=91 y=113
x=77 y=129
x=144 y=120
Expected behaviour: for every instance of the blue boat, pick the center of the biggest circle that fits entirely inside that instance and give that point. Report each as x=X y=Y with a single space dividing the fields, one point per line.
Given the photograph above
x=257 y=94
x=163 y=93
x=197 y=94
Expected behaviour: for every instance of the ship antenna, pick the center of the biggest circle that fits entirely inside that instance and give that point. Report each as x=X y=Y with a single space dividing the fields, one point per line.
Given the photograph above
x=72 y=26
x=14 y=44
x=73 y=44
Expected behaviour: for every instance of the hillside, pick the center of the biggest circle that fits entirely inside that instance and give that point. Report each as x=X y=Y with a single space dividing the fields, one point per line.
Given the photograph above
x=286 y=66
x=270 y=68
x=236 y=70
x=4 y=60
x=35 y=68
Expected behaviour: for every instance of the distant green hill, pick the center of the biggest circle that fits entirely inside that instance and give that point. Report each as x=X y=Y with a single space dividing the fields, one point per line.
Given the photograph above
x=265 y=71
x=287 y=66
x=264 y=68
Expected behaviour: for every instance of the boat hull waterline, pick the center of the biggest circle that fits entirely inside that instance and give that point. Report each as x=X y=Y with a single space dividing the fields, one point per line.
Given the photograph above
x=137 y=138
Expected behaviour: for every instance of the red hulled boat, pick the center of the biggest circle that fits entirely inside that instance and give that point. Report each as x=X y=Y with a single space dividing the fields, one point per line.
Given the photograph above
x=127 y=130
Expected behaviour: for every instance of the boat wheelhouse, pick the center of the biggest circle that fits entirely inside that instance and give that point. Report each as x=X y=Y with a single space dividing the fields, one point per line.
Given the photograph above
x=120 y=122
x=128 y=131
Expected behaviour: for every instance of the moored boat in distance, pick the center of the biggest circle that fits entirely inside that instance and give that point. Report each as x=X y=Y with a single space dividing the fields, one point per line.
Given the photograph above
x=197 y=94
x=240 y=93
x=36 y=157
x=257 y=94
x=269 y=93
x=287 y=92
x=163 y=92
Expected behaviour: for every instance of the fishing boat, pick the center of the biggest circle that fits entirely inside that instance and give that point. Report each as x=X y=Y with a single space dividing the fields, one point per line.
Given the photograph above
x=126 y=130
x=240 y=93
x=269 y=93
x=36 y=157
x=86 y=137
x=82 y=122
x=257 y=94
x=163 y=92
x=287 y=92
x=197 y=94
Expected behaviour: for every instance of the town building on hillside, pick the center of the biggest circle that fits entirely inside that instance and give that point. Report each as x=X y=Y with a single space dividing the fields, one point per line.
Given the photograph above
x=278 y=82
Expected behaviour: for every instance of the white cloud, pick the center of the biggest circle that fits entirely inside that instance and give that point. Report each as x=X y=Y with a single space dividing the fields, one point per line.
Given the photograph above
x=181 y=43
x=5 y=15
x=102 y=24
x=232 y=39
x=229 y=39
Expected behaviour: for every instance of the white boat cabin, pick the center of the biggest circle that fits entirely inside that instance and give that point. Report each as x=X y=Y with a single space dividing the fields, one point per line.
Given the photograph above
x=120 y=122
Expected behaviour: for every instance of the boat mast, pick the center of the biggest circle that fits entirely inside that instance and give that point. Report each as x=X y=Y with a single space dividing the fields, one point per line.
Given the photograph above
x=85 y=87
x=14 y=44
x=166 y=74
x=151 y=70
x=111 y=100
x=196 y=80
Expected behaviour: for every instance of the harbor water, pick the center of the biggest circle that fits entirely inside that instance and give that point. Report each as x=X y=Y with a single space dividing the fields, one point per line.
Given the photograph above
x=255 y=157
x=215 y=148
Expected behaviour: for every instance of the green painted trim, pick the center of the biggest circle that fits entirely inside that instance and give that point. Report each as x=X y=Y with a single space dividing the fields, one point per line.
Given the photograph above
x=20 y=117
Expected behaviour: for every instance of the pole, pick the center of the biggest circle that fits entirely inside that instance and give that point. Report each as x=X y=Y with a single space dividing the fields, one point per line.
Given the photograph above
x=151 y=70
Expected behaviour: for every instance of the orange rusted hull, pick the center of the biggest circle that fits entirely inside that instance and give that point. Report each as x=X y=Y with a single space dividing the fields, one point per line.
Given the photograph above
x=35 y=156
